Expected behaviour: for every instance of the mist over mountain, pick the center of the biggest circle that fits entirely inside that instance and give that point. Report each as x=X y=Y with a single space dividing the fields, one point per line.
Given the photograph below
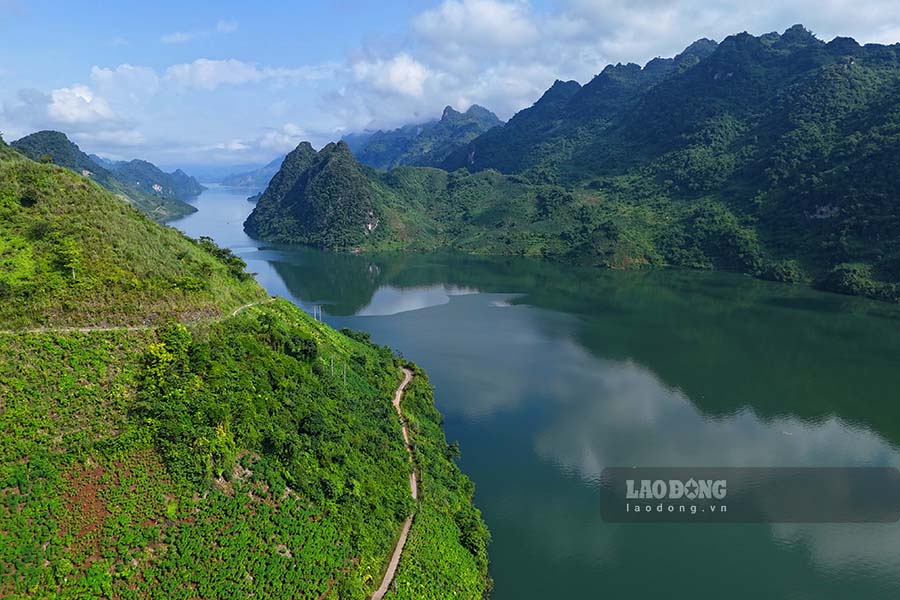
x=426 y=144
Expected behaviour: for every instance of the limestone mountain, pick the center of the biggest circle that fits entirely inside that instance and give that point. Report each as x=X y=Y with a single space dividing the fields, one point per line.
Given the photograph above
x=320 y=199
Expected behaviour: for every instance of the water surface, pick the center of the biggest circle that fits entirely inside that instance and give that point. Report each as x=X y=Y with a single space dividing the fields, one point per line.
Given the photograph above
x=546 y=374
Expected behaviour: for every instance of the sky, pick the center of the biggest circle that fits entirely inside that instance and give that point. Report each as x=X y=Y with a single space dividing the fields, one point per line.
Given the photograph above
x=239 y=83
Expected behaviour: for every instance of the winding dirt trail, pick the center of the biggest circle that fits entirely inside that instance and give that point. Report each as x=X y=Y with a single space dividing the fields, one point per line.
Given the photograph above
x=413 y=489
x=235 y=313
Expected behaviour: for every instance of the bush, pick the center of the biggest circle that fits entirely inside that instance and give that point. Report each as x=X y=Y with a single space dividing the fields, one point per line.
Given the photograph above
x=785 y=271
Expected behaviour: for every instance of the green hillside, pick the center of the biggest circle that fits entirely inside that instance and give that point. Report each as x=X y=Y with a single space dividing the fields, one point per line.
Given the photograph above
x=152 y=180
x=775 y=156
x=54 y=147
x=426 y=144
x=205 y=451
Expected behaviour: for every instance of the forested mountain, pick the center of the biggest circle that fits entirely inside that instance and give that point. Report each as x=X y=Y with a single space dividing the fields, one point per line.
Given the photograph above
x=170 y=432
x=55 y=147
x=317 y=198
x=776 y=155
x=254 y=180
x=426 y=144
x=150 y=179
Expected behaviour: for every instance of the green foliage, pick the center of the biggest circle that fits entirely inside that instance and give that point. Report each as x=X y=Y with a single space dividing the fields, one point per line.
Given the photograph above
x=71 y=253
x=132 y=457
x=857 y=280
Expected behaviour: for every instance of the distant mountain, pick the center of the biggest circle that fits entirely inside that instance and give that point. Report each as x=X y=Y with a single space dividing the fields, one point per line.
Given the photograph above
x=427 y=144
x=55 y=147
x=150 y=179
x=357 y=141
x=774 y=155
x=103 y=162
x=256 y=179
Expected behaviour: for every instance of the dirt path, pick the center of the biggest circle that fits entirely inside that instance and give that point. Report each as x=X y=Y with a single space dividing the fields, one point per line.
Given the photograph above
x=236 y=312
x=413 y=489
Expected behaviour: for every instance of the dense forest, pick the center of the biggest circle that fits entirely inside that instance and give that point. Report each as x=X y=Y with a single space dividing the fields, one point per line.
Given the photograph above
x=54 y=147
x=171 y=432
x=773 y=155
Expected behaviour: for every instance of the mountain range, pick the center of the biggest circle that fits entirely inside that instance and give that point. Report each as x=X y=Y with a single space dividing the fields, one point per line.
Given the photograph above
x=149 y=178
x=774 y=155
x=139 y=179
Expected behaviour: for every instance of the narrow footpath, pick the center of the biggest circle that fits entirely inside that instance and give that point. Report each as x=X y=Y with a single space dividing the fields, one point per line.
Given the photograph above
x=235 y=313
x=413 y=489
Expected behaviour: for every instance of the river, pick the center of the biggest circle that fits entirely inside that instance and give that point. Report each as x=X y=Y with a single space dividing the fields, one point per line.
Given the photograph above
x=547 y=373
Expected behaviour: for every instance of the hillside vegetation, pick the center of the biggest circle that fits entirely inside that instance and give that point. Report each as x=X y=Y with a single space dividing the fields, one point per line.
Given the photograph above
x=230 y=455
x=54 y=147
x=774 y=155
x=72 y=253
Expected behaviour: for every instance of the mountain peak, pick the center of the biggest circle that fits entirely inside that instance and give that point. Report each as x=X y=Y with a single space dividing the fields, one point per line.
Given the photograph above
x=449 y=113
x=798 y=35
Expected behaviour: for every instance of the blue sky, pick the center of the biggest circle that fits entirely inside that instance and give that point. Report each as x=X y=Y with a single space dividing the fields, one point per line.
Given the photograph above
x=201 y=83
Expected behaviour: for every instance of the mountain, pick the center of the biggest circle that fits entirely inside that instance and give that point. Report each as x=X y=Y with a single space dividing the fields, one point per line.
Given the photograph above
x=256 y=179
x=103 y=162
x=773 y=155
x=150 y=179
x=317 y=198
x=357 y=141
x=55 y=147
x=171 y=431
x=427 y=144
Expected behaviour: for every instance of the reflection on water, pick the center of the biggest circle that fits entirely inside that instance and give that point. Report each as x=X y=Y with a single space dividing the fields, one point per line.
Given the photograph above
x=389 y=300
x=547 y=374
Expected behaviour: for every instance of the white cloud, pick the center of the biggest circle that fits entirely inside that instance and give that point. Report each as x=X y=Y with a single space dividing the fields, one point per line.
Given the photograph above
x=126 y=81
x=78 y=104
x=182 y=37
x=401 y=74
x=117 y=42
x=111 y=137
x=281 y=140
x=207 y=74
x=488 y=23
x=223 y=26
